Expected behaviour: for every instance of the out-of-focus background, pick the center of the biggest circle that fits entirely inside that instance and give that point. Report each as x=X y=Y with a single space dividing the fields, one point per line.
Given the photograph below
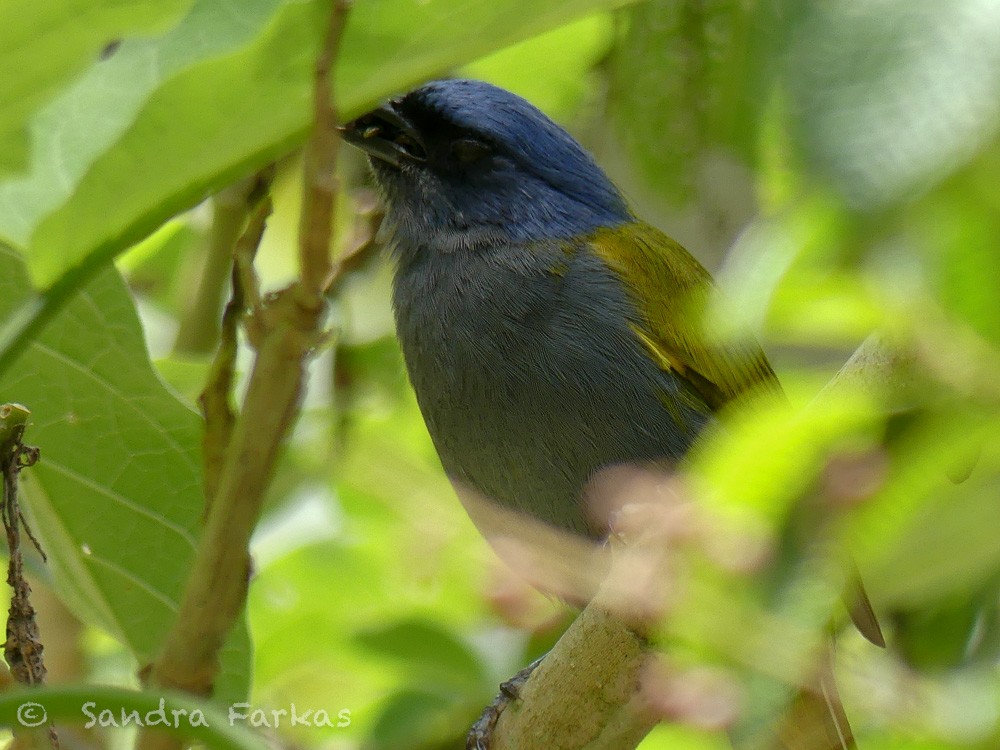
x=835 y=164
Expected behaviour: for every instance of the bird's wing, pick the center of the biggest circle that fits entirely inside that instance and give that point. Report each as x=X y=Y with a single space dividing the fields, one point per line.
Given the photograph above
x=670 y=289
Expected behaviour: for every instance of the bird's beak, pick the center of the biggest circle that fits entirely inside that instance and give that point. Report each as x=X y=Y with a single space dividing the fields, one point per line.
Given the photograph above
x=387 y=135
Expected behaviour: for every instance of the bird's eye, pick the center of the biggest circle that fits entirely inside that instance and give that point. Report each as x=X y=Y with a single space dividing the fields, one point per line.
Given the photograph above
x=470 y=150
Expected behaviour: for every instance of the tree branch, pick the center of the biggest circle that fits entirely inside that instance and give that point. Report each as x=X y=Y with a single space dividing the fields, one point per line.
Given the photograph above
x=319 y=173
x=286 y=332
x=216 y=398
x=583 y=693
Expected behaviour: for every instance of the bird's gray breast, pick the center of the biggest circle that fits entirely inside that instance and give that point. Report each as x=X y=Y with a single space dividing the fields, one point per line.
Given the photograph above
x=529 y=376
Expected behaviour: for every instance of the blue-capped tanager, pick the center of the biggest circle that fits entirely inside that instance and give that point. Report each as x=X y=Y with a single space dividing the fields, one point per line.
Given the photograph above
x=544 y=327
x=547 y=331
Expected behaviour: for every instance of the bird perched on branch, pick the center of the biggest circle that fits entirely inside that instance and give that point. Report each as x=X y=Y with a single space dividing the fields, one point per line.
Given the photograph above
x=548 y=333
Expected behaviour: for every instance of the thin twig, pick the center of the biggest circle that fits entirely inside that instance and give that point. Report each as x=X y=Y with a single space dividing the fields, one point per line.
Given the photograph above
x=199 y=323
x=23 y=648
x=288 y=329
x=216 y=398
x=319 y=173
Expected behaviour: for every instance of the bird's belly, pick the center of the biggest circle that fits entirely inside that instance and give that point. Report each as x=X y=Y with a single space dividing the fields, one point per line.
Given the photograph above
x=532 y=443
x=529 y=389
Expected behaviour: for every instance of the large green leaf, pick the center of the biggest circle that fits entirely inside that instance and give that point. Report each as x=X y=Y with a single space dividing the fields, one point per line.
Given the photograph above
x=165 y=120
x=555 y=70
x=116 y=499
x=43 y=45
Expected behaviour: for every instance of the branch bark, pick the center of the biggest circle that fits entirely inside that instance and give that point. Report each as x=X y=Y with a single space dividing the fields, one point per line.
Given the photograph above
x=216 y=399
x=583 y=693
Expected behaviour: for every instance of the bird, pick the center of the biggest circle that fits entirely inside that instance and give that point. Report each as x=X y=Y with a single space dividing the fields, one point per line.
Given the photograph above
x=548 y=332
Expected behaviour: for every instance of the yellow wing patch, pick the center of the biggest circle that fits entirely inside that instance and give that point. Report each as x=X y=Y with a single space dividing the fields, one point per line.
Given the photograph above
x=670 y=290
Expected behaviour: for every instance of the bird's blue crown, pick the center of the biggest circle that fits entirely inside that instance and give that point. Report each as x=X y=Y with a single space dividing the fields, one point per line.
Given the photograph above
x=522 y=179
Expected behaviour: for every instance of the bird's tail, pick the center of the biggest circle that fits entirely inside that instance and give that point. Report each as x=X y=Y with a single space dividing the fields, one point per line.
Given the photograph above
x=816 y=719
x=860 y=607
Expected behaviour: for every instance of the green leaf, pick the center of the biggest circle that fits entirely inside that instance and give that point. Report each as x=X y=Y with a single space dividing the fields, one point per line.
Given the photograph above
x=552 y=70
x=755 y=470
x=894 y=741
x=937 y=637
x=413 y=719
x=429 y=649
x=168 y=119
x=785 y=274
x=402 y=550
x=135 y=125
x=44 y=45
x=922 y=538
x=955 y=230
x=892 y=95
x=116 y=499
x=673 y=736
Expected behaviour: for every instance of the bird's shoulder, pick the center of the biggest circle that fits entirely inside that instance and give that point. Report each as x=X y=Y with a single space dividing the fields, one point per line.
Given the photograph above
x=670 y=290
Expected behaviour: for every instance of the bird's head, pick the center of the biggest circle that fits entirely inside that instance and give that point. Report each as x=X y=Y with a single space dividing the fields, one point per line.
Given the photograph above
x=462 y=164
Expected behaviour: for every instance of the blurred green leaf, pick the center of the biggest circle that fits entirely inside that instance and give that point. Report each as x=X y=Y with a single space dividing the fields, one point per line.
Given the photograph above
x=370 y=375
x=667 y=737
x=116 y=499
x=787 y=275
x=428 y=649
x=186 y=376
x=921 y=537
x=962 y=707
x=890 y=741
x=955 y=231
x=936 y=637
x=769 y=454
x=44 y=45
x=163 y=267
x=412 y=719
x=889 y=96
x=405 y=552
